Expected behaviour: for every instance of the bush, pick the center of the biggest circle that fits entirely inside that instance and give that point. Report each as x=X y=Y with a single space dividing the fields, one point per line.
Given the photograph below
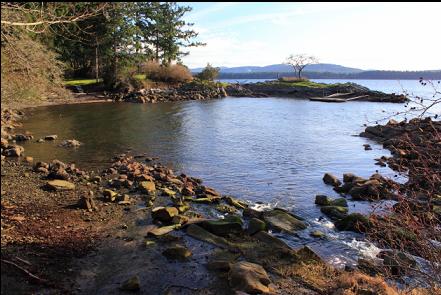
x=292 y=79
x=170 y=73
x=209 y=73
x=29 y=70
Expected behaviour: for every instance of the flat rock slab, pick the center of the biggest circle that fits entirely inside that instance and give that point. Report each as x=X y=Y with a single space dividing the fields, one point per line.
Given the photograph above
x=283 y=221
x=248 y=277
x=60 y=185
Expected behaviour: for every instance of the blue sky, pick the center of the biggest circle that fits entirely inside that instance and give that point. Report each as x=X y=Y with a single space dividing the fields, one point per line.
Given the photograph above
x=384 y=36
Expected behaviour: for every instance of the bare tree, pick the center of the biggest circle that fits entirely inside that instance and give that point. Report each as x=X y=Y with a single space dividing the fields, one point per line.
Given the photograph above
x=300 y=61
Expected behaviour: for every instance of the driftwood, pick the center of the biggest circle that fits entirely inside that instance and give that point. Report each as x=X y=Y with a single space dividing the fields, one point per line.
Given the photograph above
x=36 y=278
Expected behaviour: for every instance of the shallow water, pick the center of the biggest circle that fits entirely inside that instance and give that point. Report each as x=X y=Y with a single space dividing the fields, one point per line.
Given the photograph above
x=269 y=150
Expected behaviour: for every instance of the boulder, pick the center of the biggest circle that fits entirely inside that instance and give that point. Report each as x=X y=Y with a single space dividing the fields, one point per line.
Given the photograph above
x=222 y=227
x=340 y=202
x=353 y=222
x=177 y=253
x=334 y=212
x=398 y=262
x=236 y=203
x=255 y=225
x=322 y=200
x=164 y=214
x=348 y=177
x=248 y=277
x=60 y=185
x=331 y=179
x=283 y=221
x=13 y=151
x=251 y=213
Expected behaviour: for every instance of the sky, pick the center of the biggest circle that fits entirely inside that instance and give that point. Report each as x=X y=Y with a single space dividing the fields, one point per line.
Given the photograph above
x=381 y=36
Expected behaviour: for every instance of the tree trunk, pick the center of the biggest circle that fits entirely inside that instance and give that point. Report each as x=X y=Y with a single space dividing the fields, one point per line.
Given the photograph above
x=97 y=75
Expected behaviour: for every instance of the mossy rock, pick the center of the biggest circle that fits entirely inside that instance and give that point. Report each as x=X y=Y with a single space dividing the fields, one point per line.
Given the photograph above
x=334 y=212
x=255 y=225
x=226 y=208
x=341 y=202
x=322 y=200
x=353 y=222
x=177 y=253
x=222 y=227
x=283 y=221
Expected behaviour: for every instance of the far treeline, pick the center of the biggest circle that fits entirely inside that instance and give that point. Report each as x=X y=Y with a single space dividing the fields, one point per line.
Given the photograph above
x=43 y=43
x=381 y=75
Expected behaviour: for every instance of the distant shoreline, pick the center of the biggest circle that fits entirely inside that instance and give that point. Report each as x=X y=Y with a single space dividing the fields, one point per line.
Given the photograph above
x=366 y=75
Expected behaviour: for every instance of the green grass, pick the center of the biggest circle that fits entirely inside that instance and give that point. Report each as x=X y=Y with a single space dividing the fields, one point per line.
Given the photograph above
x=306 y=84
x=80 y=82
x=140 y=76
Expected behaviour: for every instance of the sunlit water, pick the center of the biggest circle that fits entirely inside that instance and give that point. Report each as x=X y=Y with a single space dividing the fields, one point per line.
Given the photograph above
x=269 y=150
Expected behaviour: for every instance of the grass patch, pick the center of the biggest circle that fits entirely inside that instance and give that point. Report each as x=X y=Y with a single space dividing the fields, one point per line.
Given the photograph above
x=305 y=84
x=81 y=82
x=140 y=76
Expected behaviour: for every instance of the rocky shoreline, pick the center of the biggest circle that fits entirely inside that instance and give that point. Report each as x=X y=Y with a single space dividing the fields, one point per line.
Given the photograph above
x=169 y=220
x=203 y=90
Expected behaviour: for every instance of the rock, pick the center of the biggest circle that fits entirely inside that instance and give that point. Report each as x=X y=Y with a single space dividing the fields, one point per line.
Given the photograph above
x=236 y=203
x=164 y=214
x=348 y=177
x=109 y=195
x=307 y=255
x=199 y=233
x=87 y=202
x=353 y=222
x=59 y=174
x=322 y=200
x=340 y=202
x=42 y=170
x=331 y=179
x=124 y=199
x=222 y=227
x=334 y=212
x=226 y=209
x=51 y=137
x=60 y=185
x=179 y=219
x=40 y=140
x=367 y=147
x=29 y=159
x=168 y=192
x=177 y=253
x=13 y=151
x=71 y=143
x=270 y=240
x=23 y=137
x=248 y=277
x=41 y=164
x=147 y=187
x=317 y=234
x=160 y=231
x=96 y=178
x=255 y=225
x=251 y=213
x=398 y=262
x=283 y=221
x=131 y=284
x=4 y=143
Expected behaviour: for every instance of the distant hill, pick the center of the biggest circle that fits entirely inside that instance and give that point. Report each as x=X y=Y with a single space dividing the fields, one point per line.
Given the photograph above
x=282 y=68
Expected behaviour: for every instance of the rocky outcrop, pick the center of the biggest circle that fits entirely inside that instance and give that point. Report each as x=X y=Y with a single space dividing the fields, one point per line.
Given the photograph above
x=248 y=277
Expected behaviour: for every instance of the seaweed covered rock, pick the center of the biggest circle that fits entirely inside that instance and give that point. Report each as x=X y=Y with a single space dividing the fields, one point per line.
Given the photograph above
x=283 y=221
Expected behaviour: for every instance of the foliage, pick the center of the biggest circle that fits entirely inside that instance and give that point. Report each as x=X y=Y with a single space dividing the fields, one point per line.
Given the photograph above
x=208 y=73
x=28 y=69
x=167 y=73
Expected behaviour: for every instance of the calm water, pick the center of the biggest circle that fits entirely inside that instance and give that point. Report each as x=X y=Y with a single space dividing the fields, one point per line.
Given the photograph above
x=270 y=150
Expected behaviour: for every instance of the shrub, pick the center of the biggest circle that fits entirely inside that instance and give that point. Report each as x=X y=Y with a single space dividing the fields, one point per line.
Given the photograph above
x=170 y=73
x=29 y=70
x=292 y=79
x=209 y=73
